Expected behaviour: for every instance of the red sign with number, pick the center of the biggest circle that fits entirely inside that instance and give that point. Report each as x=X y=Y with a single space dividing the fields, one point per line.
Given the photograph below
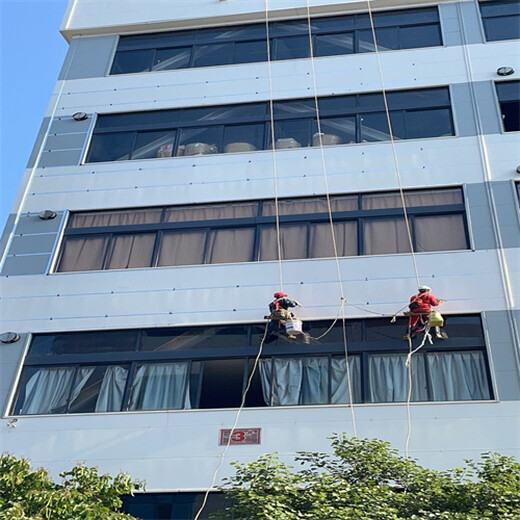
x=240 y=436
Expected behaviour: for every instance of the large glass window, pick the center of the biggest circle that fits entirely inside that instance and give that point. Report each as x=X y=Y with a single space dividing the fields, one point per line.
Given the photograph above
x=501 y=19
x=209 y=367
x=509 y=98
x=367 y=224
x=246 y=127
x=404 y=29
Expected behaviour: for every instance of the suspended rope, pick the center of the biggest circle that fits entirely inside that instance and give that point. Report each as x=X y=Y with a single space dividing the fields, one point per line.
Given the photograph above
x=235 y=423
x=406 y=218
x=331 y=221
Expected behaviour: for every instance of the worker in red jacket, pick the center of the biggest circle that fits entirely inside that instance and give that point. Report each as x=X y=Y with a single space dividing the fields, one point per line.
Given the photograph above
x=420 y=307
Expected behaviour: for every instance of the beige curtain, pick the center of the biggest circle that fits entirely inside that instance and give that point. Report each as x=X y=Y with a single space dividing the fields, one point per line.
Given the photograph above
x=128 y=251
x=440 y=233
x=305 y=206
x=293 y=242
x=211 y=212
x=182 y=248
x=385 y=237
x=230 y=245
x=115 y=218
x=83 y=254
x=321 y=244
x=412 y=199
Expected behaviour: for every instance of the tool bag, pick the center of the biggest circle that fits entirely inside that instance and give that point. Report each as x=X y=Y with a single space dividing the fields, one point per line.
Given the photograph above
x=435 y=319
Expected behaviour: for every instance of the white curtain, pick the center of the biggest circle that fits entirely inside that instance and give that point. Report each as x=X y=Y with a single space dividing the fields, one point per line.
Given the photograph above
x=458 y=376
x=47 y=391
x=388 y=378
x=112 y=388
x=160 y=387
x=304 y=381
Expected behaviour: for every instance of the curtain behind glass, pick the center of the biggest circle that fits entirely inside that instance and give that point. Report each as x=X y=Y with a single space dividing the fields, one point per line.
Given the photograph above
x=182 y=248
x=339 y=393
x=388 y=379
x=230 y=245
x=458 y=376
x=127 y=251
x=320 y=240
x=83 y=254
x=160 y=387
x=440 y=233
x=47 y=391
x=211 y=212
x=412 y=199
x=115 y=218
x=112 y=388
x=385 y=237
x=293 y=242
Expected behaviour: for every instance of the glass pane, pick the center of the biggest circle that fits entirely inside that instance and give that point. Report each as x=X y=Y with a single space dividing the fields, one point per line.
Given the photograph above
x=508 y=91
x=412 y=199
x=333 y=23
x=185 y=248
x=387 y=38
x=292 y=134
x=226 y=114
x=83 y=342
x=337 y=105
x=160 y=387
x=416 y=99
x=388 y=379
x=374 y=127
x=248 y=52
x=153 y=144
x=44 y=390
x=335 y=130
x=111 y=147
x=334 y=44
x=499 y=7
x=222 y=383
x=306 y=206
x=385 y=237
x=83 y=254
x=321 y=329
x=98 y=389
x=342 y=382
x=465 y=327
x=428 y=123
x=322 y=246
x=401 y=17
x=127 y=251
x=502 y=28
x=115 y=218
x=199 y=141
x=365 y=41
x=298 y=107
x=243 y=138
x=292 y=47
x=187 y=338
x=230 y=245
x=255 y=395
x=511 y=115
x=211 y=212
x=293 y=242
x=440 y=233
x=132 y=61
x=458 y=376
x=382 y=330
x=169 y=59
x=213 y=54
x=420 y=36
x=289 y=28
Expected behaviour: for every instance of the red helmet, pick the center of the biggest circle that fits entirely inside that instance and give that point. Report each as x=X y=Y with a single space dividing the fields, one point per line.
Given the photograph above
x=280 y=295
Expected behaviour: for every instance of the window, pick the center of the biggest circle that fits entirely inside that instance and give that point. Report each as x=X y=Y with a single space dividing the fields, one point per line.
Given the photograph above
x=405 y=29
x=509 y=98
x=208 y=367
x=501 y=19
x=367 y=224
x=246 y=127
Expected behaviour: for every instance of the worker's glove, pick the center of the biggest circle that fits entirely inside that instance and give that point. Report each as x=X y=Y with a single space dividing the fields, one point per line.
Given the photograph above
x=298 y=304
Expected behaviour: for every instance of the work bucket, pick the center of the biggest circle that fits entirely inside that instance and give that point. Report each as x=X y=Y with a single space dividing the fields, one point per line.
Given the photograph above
x=293 y=327
x=435 y=319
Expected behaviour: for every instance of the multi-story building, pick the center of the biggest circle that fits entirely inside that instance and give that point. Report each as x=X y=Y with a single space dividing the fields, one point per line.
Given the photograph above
x=158 y=214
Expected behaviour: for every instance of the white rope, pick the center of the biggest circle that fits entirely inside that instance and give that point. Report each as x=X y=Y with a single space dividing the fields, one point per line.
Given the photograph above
x=234 y=427
x=331 y=222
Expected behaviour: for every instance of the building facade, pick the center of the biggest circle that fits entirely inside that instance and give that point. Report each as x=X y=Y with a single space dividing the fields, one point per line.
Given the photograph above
x=196 y=157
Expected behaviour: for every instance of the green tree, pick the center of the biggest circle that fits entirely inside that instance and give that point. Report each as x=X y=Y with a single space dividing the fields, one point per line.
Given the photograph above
x=367 y=480
x=83 y=494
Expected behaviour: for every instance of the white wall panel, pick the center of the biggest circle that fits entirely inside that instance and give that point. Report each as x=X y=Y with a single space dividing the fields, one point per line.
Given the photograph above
x=414 y=68
x=469 y=281
x=349 y=168
x=180 y=449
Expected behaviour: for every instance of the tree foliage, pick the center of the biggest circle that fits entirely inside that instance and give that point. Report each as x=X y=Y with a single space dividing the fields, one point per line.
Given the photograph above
x=367 y=480
x=83 y=494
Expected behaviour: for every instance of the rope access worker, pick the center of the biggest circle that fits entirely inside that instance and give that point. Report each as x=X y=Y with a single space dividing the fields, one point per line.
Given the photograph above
x=420 y=308
x=279 y=316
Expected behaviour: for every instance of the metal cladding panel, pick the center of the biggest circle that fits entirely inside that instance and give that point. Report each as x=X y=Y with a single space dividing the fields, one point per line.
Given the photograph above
x=234 y=293
x=32 y=244
x=9 y=225
x=39 y=142
x=10 y=358
x=507 y=212
x=299 y=172
x=179 y=450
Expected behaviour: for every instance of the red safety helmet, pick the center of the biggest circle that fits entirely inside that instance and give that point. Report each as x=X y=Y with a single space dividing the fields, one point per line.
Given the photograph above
x=279 y=295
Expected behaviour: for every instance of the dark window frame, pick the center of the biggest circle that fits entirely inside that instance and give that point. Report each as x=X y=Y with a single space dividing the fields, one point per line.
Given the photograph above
x=260 y=222
x=279 y=32
x=182 y=120
x=357 y=335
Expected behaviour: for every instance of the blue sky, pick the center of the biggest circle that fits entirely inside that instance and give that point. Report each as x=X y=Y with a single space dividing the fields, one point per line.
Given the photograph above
x=31 y=53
